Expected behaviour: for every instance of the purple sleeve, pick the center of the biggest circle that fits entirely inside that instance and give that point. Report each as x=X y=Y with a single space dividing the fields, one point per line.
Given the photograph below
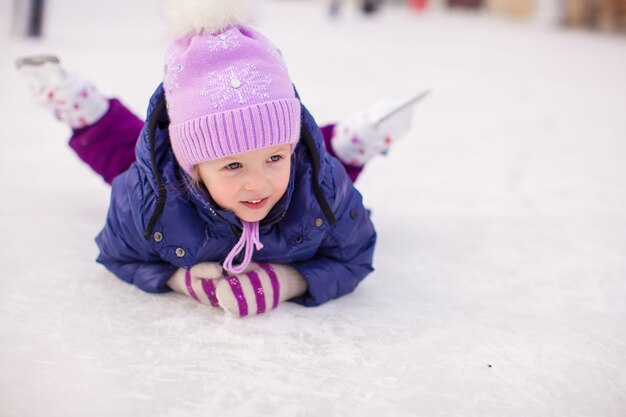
x=327 y=133
x=108 y=146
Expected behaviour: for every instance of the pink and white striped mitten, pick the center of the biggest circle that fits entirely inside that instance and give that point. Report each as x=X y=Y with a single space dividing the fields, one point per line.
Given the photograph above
x=259 y=289
x=198 y=282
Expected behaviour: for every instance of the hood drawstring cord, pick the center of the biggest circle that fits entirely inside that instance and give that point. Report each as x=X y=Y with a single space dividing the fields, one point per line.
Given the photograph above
x=162 y=190
x=248 y=241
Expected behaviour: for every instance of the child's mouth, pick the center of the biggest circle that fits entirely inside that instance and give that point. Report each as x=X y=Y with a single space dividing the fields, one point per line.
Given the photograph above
x=255 y=204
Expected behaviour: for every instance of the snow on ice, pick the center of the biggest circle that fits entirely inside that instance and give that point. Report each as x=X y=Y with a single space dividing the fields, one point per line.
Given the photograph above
x=500 y=282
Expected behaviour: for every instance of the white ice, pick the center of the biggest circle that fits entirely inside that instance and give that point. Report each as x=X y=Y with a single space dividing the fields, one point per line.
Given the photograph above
x=500 y=282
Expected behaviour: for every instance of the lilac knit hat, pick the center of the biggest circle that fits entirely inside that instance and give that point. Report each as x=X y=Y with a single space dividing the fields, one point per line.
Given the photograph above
x=227 y=92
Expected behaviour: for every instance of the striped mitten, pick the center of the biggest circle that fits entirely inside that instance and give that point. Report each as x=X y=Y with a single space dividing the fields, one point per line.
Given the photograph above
x=260 y=289
x=198 y=282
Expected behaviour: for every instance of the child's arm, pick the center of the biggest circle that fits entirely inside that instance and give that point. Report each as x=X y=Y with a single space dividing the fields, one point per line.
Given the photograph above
x=123 y=249
x=345 y=256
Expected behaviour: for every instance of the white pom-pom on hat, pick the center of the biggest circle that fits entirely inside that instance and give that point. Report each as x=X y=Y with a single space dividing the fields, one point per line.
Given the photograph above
x=189 y=17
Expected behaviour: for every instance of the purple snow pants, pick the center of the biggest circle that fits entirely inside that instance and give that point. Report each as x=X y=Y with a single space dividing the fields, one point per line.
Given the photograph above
x=108 y=146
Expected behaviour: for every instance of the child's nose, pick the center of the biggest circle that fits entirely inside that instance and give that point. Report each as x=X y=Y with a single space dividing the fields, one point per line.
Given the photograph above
x=255 y=181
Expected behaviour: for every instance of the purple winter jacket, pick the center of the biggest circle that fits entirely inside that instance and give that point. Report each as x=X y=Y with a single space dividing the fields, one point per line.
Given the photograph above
x=159 y=221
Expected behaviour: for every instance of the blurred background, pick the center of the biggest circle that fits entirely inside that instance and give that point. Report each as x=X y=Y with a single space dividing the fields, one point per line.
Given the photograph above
x=29 y=16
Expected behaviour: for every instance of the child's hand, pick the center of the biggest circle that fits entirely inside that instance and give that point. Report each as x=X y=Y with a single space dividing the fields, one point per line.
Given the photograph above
x=198 y=282
x=259 y=289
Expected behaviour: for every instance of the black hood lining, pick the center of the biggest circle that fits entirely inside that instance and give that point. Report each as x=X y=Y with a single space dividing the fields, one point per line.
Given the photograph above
x=307 y=140
x=161 y=189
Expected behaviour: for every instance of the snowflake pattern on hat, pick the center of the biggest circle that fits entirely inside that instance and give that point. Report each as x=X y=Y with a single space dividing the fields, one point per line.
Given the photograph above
x=225 y=40
x=236 y=85
x=172 y=70
x=242 y=72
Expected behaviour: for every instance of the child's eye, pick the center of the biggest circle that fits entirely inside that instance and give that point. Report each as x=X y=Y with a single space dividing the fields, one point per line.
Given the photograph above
x=274 y=158
x=233 y=165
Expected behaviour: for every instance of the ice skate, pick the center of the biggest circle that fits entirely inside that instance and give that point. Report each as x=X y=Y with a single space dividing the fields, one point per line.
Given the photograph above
x=71 y=98
x=372 y=132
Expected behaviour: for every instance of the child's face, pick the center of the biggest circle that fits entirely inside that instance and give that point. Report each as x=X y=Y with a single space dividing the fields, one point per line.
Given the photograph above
x=250 y=183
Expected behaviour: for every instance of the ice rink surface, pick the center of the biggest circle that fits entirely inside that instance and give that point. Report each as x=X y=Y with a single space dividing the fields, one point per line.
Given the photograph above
x=500 y=282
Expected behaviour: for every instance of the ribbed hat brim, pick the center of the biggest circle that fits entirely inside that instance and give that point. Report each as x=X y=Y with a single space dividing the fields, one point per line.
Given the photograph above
x=228 y=133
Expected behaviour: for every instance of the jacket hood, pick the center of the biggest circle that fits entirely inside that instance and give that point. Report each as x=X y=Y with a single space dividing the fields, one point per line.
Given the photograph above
x=157 y=161
x=157 y=116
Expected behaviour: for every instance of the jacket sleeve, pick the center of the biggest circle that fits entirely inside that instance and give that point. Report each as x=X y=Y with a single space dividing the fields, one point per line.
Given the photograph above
x=123 y=249
x=346 y=253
